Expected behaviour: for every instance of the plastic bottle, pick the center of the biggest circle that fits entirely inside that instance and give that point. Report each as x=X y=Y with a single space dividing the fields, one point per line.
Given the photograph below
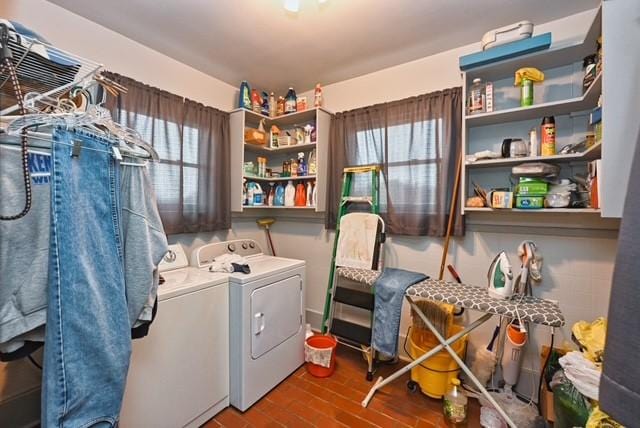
x=317 y=96
x=312 y=168
x=272 y=193
x=280 y=106
x=454 y=403
x=302 y=165
x=301 y=195
x=293 y=168
x=273 y=106
x=310 y=201
x=258 y=195
x=265 y=104
x=256 y=102
x=290 y=101
x=244 y=100
x=314 y=195
x=548 y=136
x=534 y=149
x=278 y=199
x=289 y=195
x=476 y=100
x=250 y=193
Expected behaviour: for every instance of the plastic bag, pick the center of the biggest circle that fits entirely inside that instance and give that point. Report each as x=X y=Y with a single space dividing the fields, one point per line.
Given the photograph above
x=571 y=407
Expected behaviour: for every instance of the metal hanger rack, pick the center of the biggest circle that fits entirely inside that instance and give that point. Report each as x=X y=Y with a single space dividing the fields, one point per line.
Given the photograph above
x=42 y=68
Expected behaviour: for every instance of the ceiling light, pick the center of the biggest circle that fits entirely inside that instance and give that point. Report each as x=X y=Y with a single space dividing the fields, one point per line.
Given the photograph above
x=292 y=5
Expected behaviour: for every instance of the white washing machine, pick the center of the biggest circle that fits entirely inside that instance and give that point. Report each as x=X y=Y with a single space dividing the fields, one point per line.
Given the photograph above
x=179 y=373
x=266 y=317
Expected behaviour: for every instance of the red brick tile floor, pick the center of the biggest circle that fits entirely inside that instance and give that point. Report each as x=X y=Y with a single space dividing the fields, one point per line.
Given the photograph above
x=302 y=400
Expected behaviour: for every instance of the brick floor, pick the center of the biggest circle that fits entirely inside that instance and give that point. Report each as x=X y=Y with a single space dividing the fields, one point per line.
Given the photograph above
x=302 y=400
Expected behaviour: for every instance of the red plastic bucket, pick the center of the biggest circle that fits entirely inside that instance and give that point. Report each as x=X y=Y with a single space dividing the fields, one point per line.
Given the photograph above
x=320 y=341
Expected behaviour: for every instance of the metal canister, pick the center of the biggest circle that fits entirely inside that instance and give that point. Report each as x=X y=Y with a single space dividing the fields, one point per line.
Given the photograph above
x=548 y=136
x=526 y=93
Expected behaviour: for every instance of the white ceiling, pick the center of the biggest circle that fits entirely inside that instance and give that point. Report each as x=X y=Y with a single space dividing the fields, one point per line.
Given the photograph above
x=259 y=41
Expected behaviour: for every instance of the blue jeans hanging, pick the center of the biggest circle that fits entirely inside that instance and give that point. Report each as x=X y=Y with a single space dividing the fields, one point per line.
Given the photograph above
x=88 y=345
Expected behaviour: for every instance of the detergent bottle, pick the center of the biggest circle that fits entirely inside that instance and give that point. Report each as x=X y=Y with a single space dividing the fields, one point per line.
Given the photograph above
x=244 y=100
x=278 y=199
x=310 y=201
x=301 y=195
x=289 y=195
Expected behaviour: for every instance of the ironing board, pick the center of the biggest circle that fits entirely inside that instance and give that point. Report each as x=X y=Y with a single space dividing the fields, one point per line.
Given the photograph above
x=526 y=308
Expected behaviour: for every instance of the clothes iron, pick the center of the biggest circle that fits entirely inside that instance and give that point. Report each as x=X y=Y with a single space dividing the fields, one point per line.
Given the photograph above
x=500 y=276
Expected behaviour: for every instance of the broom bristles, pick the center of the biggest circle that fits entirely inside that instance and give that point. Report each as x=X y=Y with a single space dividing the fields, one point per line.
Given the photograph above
x=439 y=314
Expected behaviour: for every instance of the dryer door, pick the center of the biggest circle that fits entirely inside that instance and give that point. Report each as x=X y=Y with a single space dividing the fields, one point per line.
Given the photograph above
x=276 y=314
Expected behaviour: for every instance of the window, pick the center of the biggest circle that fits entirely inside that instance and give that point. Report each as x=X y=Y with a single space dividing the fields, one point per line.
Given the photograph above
x=416 y=142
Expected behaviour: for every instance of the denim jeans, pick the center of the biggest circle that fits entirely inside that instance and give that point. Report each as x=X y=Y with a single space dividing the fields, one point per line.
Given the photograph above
x=88 y=344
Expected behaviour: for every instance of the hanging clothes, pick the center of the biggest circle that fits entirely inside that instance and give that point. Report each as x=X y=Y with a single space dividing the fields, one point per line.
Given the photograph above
x=87 y=342
x=24 y=253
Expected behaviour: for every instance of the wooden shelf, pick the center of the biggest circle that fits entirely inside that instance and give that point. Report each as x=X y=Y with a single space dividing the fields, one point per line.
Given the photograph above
x=267 y=207
x=594 y=152
x=587 y=101
x=540 y=210
x=555 y=56
x=283 y=149
x=301 y=177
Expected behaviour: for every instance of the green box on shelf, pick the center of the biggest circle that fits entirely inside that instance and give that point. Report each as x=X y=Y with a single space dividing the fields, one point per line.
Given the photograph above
x=532 y=187
x=529 y=202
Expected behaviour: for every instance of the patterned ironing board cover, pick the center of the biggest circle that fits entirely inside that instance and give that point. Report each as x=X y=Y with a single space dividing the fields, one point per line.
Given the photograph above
x=532 y=309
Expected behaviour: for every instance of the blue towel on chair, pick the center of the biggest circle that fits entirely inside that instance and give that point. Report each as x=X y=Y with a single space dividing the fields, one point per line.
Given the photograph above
x=389 y=294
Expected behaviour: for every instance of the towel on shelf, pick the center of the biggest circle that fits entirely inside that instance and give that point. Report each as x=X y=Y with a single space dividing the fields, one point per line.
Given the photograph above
x=389 y=295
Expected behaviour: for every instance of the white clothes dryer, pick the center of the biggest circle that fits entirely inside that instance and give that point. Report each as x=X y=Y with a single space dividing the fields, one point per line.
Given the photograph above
x=266 y=318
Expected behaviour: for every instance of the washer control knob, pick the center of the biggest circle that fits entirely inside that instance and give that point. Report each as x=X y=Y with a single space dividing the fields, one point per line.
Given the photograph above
x=252 y=244
x=170 y=256
x=244 y=246
x=231 y=247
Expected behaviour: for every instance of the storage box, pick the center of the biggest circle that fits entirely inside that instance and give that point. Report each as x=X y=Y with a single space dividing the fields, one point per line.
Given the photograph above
x=286 y=140
x=532 y=187
x=500 y=199
x=527 y=202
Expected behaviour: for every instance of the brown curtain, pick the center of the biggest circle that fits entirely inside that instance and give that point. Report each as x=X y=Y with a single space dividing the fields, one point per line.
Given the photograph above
x=416 y=141
x=191 y=180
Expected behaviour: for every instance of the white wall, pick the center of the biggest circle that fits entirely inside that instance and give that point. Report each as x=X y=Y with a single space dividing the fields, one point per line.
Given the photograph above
x=80 y=36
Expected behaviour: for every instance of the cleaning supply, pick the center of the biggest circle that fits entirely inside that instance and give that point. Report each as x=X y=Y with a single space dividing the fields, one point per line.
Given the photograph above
x=476 y=99
x=256 y=101
x=302 y=165
x=273 y=107
x=267 y=223
x=301 y=195
x=515 y=339
x=258 y=195
x=278 y=199
x=317 y=96
x=250 y=192
x=310 y=201
x=290 y=101
x=289 y=194
x=525 y=78
x=485 y=360
x=312 y=169
x=244 y=100
x=534 y=148
x=455 y=403
x=315 y=194
x=280 y=106
x=590 y=71
x=265 y=104
x=271 y=195
x=500 y=277
x=308 y=131
x=548 y=139
x=293 y=167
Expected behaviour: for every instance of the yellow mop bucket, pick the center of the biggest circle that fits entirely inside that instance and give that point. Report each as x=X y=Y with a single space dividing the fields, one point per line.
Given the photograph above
x=434 y=375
